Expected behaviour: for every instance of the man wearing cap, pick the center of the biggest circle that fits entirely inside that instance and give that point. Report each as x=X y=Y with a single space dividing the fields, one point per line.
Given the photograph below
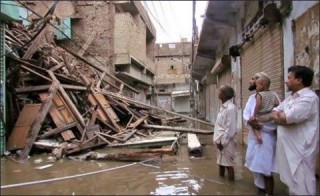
x=260 y=158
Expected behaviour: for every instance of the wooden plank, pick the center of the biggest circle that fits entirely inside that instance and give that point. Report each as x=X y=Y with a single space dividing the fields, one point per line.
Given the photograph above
x=138 y=122
x=84 y=79
x=179 y=129
x=194 y=146
x=101 y=115
x=153 y=107
x=112 y=137
x=35 y=73
x=99 y=82
x=32 y=89
x=129 y=135
x=68 y=101
x=100 y=68
x=122 y=156
x=93 y=118
x=36 y=125
x=35 y=44
x=102 y=138
x=22 y=127
x=57 y=66
x=104 y=110
x=107 y=81
x=59 y=112
x=105 y=106
x=67 y=135
x=121 y=88
x=57 y=130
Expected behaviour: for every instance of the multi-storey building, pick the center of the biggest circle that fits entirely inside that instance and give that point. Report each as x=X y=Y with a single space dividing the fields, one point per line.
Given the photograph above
x=172 y=75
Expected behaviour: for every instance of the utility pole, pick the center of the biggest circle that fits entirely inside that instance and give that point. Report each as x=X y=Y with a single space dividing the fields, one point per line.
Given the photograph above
x=192 y=92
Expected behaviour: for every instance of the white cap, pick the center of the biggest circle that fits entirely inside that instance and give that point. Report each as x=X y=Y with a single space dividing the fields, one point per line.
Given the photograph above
x=260 y=74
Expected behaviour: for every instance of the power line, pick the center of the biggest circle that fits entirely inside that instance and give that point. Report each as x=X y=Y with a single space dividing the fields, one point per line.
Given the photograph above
x=164 y=14
x=147 y=7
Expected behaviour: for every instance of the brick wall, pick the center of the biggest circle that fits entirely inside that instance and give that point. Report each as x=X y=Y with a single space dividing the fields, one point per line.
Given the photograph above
x=130 y=36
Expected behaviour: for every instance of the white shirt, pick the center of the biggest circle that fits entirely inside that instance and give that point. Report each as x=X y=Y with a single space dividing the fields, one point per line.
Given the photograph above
x=300 y=137
x=259 y=157
x=226 y=123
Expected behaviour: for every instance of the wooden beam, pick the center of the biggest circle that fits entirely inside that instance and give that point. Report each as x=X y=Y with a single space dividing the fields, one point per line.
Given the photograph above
x=99 y=82
x=138 y=122
x=57 y=130
x=153 y=107
x=194 y=146
x=85 y=45
x=179 y=129
x=35 y=44
x=32 y=88
x=67 y=99
x=57 y=66
x=100 y=68
x=35 y=73
x=36 y=125
x=28 y=89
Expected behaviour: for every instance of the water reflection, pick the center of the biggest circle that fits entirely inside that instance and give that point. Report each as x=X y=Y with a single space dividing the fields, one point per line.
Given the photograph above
x=173 y=175
x=173 y=183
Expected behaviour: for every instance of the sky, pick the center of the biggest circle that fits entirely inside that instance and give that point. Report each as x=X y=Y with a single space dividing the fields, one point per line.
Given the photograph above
x=173 y=19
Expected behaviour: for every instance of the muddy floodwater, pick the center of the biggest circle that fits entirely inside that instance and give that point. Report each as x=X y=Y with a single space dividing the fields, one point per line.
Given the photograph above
x=171 y=175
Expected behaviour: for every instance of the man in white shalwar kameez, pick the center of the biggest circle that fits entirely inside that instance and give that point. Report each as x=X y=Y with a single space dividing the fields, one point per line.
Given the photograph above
x=298 y=133
x=224 y=131
x=260 y=158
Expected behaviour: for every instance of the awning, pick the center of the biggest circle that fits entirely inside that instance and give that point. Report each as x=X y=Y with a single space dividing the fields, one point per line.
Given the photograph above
x=221 y=64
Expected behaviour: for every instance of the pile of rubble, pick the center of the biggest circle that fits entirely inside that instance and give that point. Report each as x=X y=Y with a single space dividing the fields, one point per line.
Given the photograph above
x=59 y=101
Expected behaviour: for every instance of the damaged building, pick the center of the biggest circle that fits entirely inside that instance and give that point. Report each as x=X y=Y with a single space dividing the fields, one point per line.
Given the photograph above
x=85 y=71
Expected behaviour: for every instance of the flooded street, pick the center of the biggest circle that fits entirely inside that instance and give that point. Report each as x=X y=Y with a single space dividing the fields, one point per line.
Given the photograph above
x=173 y=175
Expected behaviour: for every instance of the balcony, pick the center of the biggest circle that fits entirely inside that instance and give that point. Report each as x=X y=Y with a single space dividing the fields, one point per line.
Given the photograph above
x=132 y=71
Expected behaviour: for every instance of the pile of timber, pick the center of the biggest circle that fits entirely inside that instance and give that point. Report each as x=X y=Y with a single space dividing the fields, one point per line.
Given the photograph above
x=60 y=101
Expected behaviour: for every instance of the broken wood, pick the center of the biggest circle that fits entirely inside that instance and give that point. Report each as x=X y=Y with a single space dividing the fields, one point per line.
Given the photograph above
x=102 y=69
x=122 y=156
x=22 y=127
x=36 y=125
x=179 y=129
x=153 y=107
x=68 y=100
x=57 y=130
x=194 y=146
x=35 y=43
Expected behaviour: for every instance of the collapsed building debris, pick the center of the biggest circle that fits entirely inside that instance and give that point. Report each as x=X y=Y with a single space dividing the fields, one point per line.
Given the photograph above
x=61 y=102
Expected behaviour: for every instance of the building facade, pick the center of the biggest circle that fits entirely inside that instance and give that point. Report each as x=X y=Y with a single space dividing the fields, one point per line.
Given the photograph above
x=172 y=75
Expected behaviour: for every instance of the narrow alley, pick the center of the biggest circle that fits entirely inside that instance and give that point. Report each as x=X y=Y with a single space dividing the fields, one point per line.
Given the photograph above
x=143 y=97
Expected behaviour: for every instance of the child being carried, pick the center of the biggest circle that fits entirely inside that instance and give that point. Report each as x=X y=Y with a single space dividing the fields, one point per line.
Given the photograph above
x=265 y=102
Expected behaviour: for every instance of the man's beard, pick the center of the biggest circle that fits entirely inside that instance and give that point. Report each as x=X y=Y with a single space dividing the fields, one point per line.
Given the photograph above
x=252 y=87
